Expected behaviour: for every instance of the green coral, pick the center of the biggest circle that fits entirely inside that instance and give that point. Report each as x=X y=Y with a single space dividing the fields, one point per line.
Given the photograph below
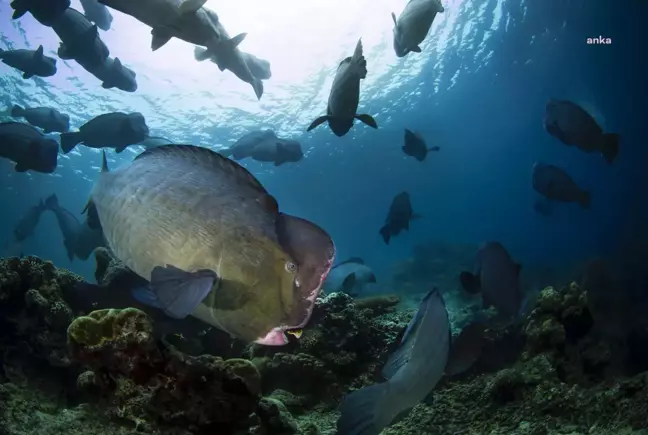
x=100 y=326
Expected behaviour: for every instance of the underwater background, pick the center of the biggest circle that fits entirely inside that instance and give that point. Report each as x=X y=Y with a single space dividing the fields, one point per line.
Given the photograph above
x=478 y=91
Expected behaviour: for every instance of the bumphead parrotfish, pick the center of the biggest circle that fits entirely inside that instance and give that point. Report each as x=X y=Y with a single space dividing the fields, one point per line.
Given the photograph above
x=212 y=242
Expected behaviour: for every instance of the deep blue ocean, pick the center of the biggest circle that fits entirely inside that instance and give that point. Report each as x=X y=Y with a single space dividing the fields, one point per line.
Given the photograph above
x=478 y=91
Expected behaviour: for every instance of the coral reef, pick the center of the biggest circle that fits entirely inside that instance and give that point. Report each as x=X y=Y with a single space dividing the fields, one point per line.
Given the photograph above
x=557 y=371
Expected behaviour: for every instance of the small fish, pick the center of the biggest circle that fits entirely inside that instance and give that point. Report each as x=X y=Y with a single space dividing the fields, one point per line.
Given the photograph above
x=349 y=276
x=412 y=372
x=111 y=130
x=555 y=184
x=345 y=96
x=211 y=242
x=497 y=277
x=97 y=13
x=80 y=40
x=28 y=148
x=413 y=25
x=50 y=120
x=572 y=125
x=31 y=63
x=115 y=75
x=415 y=146
x=45 y=12
x=399 y=217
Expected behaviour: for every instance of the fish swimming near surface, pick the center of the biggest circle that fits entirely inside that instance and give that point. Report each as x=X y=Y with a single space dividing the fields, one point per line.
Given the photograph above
x=111 y=130
x=30 y=62
x=555 y=184
x=115 y=75
x=265 y=146
x=45 y=12
x=412 y=372
x=228 y=57
x=345 y=96
x=399 y=217
x=260 y=68
x=28 y=148
x=155 y=141
x=50 y=120
x=349 y=276
x=572 y=125
x=415 y=146
x=80 y=40
x=97 y=13
x=497 y=277
x=413 y=25
x=212 y=242
x=188 y=20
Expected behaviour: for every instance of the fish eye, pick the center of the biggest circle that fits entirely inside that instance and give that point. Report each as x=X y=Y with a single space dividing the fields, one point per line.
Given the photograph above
x=291 y=267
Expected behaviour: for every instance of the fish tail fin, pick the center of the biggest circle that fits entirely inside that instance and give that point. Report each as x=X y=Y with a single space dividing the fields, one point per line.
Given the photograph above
x=359 y=60
x=584 y=200
x=69 y=141
x=51 y=202
x=386 y=234
x=365 y=411
x=17 y=111
x=70 y=248
x=257 y=85
x=104 y=162
x=201 y=54
x=610 y=146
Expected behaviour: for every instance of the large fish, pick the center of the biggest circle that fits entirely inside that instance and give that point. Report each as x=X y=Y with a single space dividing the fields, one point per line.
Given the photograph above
x=186 y=20
x=413 y=25
x=345 y=96
x=30 y=62
x=80 y=40
x=212 y=242
x=27 y=224
x=112 y=130
x=399 y=217
x=28 y=148
x=555 y=184
x=415 y=146
x=47 y=118
x=45 y=12
x=412 y=372
x=97 y=13
x=572 y=125
x=497 y=277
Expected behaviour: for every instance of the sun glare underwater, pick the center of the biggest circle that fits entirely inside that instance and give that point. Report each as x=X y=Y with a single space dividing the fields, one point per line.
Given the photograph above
x=323 y=217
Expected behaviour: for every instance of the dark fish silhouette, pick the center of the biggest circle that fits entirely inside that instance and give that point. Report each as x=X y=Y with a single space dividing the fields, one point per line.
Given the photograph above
x=345 y=96
x=555 y=184
x=97 y=13
x=45 y=12
x=415 y=146
x=572 y=125
x=114 y=74
x=110 y=130
x=50 y=120
x=27 y=224
x=497 y=277
x=265 y=146
x=80 y=40
x=399 y=217
x=28 y=148
x=30 y=62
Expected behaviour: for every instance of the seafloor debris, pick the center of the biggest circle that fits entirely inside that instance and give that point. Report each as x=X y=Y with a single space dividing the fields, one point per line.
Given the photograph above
x=551 y=373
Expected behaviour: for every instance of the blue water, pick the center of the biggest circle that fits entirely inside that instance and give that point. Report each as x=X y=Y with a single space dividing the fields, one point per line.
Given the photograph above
x=477 y=90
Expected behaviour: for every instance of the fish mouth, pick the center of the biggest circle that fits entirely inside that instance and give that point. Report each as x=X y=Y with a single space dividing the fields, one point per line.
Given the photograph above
x=277 y=336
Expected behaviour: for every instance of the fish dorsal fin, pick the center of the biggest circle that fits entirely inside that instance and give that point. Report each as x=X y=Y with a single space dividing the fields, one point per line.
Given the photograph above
x=395 y=21
x=38 y=54
x=401 y=356
x=356 y=260
x=208 y=158
x=345 y=61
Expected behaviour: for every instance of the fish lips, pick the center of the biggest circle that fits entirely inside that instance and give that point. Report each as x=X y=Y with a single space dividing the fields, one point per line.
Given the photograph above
x=313 y=251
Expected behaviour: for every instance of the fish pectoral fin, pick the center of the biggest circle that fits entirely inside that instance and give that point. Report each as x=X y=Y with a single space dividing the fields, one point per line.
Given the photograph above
x=349 y=282
x=120 y=149
x=318 y=121
x=470 y=282
x=191 y=6
x=27 y=75
x=160 y=37
x=367 y=119
x=70 y=248
x=394 y=19
x=177 y=292
x=416 y=49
